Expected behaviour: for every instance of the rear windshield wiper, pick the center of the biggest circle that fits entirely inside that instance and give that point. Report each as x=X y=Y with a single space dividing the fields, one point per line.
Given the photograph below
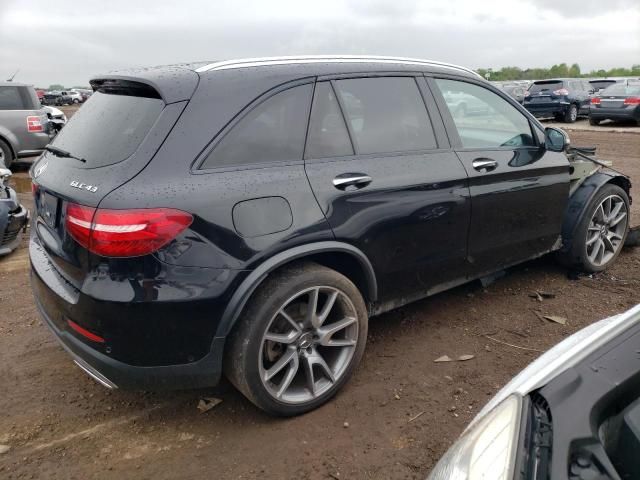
x=58 y=152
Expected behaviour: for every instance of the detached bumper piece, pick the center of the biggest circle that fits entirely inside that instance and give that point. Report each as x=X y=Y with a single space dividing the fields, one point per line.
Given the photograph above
x=13 y=219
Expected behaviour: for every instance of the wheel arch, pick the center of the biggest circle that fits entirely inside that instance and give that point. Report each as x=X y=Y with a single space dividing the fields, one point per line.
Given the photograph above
x=7 y=138
x=581 y=198
x=342 y=257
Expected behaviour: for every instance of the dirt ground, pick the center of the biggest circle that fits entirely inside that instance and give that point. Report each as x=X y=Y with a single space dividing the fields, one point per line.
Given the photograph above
x=401 y=409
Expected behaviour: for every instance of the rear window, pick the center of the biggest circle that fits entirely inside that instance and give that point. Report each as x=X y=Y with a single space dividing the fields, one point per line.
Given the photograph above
x=545 y=86
x=109 y=128
x=599 y=84
x=621 y=90
x=17 y=98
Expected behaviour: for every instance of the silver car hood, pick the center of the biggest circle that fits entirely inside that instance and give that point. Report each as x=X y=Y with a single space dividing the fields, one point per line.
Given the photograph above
x=563 y=356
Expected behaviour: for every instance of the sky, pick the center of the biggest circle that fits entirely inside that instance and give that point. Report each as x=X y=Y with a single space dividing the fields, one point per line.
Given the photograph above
x=67 y=42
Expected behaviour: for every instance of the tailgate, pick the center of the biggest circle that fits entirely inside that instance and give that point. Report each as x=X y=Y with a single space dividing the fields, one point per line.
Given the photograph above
x=111 y=139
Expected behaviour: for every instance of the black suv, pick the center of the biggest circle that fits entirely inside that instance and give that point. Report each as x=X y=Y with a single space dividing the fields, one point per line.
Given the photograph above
x=247 y=217
x=563 y=99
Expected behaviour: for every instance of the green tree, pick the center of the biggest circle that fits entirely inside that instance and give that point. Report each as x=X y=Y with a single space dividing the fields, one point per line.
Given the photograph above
x=574 y=70
x=56 y=86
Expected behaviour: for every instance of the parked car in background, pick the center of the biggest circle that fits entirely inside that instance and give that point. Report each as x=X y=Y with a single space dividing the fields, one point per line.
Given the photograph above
x=562 y=99
x=75 y=97
x=24 y=129
x=574 y=413
x=516 y=91
x=617 y=102
x=343 y=187
x=57 y=119
x=40 y=93
x=13 y=216
x=84 y=92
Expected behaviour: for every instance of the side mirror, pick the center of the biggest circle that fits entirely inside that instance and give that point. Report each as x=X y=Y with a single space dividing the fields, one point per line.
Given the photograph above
x=555 y=140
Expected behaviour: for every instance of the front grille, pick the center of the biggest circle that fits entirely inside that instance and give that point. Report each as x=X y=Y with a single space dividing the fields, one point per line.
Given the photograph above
x=8 y=237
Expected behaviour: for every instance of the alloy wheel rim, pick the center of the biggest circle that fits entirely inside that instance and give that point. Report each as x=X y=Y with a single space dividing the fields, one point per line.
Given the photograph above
x=606 y=230
x=308 y=345
x=574 y=113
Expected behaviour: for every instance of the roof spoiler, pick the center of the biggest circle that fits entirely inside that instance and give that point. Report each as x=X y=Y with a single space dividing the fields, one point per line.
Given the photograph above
x=171 y=84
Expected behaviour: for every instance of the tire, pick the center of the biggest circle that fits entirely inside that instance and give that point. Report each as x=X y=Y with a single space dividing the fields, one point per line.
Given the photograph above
x=6 y=155
x=590 y=232
x=258 y=366
x=593 y=121
x=75 y=100
x=571 y=115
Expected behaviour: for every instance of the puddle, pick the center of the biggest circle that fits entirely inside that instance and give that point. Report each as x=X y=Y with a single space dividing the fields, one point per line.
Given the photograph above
x=20 y=184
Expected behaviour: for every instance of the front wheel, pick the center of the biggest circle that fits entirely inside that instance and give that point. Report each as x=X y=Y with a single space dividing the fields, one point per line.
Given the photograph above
x=298 y=341
x=601 y=233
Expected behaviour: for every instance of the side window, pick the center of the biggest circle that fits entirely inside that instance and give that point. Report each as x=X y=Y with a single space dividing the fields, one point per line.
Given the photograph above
x=272 y=131
x=386 y=114
x=482 y=118
x=328 y=135
x=10 y=99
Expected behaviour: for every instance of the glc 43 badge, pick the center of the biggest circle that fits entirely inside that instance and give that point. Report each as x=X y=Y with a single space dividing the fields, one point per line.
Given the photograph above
x=84 y=186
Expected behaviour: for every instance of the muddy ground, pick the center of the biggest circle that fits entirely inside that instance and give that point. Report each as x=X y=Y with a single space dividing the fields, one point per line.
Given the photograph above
x=402 y=410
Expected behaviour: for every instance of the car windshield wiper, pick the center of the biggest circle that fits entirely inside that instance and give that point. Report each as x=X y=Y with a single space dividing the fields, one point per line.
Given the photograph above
x=58 y=152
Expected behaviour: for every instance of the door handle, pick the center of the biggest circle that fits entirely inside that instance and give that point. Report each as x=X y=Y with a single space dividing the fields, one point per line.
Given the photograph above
x=484 y=164
x=357 y=180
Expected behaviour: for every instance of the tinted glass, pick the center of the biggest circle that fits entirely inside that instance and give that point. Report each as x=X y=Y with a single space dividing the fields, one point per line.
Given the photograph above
x=328 y=135
x=545 y=87
x=386 y=114
x=108 y=128
x=10 y=99
x=621 y=90
x=272 y=131
x=600 y=84
x=484 y=119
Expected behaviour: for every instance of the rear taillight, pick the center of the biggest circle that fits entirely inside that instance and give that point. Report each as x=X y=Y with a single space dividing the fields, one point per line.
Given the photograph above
x=124 y=233
x=595 y=101
x=632 y=101
x=34 y=124
x=560 y=92
x=84 y=332
x=34 y=188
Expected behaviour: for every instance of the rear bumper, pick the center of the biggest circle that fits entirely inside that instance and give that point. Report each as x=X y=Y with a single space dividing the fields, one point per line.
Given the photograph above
x=615 y=113
x=153 y=343
x=541 y=110
x=114 y=374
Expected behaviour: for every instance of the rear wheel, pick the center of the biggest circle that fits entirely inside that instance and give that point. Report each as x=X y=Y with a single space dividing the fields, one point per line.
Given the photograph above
x=6 y=155
x=602 y=231
x=571 y=115
x=298 y=341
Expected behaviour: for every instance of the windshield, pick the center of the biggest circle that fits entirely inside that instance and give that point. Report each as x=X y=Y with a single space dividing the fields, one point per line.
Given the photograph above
x=108 y=128
x=621 y=90
x=545 y=86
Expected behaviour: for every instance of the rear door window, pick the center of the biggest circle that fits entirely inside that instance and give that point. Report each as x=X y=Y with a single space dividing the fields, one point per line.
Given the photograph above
x=273 y=131
x=328 y=135
x=109 y=128
x=484 y=119
x=386 y=114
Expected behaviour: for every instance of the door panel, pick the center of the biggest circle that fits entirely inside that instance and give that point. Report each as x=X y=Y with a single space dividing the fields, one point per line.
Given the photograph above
x=411 y=220
x=519 y=191
x=517 y=208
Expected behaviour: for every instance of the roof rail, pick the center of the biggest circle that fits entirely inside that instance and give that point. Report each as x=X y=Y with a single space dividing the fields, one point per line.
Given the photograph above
x=263 y=61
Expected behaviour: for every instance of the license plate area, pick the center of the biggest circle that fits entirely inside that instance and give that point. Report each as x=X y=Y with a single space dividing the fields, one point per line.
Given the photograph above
x=49 y=209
